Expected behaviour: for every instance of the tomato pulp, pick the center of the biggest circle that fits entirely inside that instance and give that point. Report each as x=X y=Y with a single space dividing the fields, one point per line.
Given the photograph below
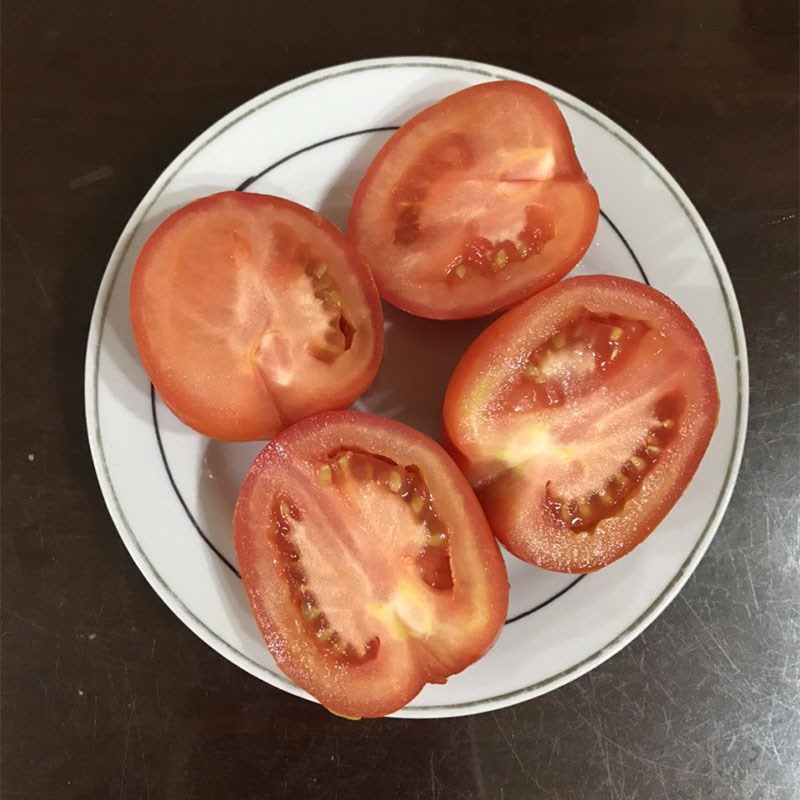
x=474 y=204
x=579 y=417
x=368 y=563
x=250 y=312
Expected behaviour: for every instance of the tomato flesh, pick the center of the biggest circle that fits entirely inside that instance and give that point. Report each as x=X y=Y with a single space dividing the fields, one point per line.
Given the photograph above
x=474 y=204
x=367 y=560
x=579 y=417
x=250 y=312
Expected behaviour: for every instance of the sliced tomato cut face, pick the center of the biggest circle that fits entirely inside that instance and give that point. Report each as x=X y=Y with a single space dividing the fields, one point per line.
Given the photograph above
x=474 y=204
x=250 y=312
x=367 y=561
x=579 y=417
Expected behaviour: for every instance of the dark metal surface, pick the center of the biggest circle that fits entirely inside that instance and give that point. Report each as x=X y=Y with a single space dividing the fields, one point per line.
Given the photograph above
x=104 y=692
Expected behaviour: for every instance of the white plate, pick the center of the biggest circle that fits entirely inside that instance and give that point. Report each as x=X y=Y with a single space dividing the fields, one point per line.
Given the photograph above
x=171 y=492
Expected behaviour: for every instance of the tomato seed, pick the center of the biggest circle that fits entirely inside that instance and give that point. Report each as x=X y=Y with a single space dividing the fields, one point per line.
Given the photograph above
x=436 y=539
x=500 y=261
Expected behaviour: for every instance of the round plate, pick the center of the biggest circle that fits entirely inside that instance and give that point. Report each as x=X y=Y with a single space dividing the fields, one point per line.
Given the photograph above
x=171 y=491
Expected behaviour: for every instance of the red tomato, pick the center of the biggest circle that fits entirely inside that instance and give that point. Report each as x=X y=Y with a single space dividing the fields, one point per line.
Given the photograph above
x=367 y=561
x=474 y=204
x=250 y=312
x=580 y=416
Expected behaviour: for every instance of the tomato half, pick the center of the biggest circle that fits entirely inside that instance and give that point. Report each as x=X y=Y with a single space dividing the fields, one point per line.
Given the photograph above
x=250 y=312
x=367 y=560
x=474 y=204
x=580 y=416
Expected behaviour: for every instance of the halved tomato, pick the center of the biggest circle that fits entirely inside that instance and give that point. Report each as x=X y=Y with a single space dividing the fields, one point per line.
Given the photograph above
x=367 y=560
x=250 y=312
x=579 y=417
x=474 y=204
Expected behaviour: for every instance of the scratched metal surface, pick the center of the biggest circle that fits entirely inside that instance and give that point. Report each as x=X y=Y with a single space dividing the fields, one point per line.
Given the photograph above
x=105 y=693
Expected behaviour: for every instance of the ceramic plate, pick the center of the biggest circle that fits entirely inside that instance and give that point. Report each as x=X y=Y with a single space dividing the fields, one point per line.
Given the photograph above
x=171 y=491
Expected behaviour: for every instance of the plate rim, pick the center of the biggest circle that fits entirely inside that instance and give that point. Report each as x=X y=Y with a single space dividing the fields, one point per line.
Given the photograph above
x=108 y=281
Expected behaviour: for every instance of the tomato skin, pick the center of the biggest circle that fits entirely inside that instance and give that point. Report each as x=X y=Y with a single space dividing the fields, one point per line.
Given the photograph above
x=466 y=619
x=513 y=499
x=480 y=114
x=198 y=332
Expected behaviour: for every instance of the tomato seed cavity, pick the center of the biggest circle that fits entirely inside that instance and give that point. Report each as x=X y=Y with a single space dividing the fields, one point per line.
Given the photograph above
x=446 y=154
x=584 y=514
x=285 y=514
x=433 y=559
x=588 y=344
x=480 y=256
x=338 y=335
